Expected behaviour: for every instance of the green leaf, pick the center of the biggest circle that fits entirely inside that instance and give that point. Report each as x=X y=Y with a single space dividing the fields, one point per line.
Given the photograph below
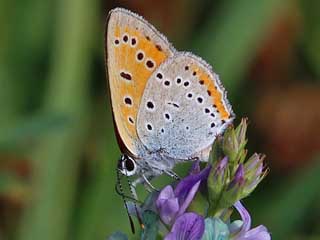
x=311 y=33
x=288 y=208
x=34 y=127
x=151 y=224
x=199 y=204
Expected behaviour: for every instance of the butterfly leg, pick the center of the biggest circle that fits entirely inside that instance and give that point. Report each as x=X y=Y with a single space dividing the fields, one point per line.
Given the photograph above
x=148 y=184
x=145 y=181
x=172 y=174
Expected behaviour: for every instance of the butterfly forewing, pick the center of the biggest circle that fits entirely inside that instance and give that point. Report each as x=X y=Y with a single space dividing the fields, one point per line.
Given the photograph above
x=184 y=108
x=134 y=49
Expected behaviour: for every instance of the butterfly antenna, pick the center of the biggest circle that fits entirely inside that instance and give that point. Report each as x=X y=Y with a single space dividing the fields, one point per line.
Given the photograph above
x=120 y=192
x=135 y=205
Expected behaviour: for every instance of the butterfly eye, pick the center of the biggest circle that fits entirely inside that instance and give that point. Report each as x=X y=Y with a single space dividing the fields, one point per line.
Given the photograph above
x=129 y=165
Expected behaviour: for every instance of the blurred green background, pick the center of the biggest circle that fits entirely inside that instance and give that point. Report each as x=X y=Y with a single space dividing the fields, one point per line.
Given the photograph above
x=58 y=151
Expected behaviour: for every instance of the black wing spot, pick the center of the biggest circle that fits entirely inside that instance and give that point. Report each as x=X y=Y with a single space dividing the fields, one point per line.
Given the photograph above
x=159 y=48
x=150 y=105
x=149 y=126
x=159 y=76
x=150 y=64
x=200 y=99
x=131 y=120
x=125 y=38
x=126 y=76
x=133 y=41
x=173 y=104
x=186 y=83
x=140 y=56
x=128 y=100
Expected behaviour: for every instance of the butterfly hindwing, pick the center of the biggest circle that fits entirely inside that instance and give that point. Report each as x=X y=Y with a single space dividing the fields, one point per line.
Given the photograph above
x=184 y=108
x=134 y=49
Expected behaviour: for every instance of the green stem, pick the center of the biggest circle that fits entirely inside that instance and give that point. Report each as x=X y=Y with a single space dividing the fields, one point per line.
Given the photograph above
x=56 y=157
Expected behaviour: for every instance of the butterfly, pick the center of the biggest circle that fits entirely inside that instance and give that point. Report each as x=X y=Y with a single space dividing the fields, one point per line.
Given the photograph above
x=168 y=106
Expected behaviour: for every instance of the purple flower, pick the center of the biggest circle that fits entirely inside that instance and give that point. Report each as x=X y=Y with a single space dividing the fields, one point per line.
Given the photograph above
x=220 y=170
x=238 y=180
x=245 y=233
x=189 y=226
x=255 y=171
x=173 y=203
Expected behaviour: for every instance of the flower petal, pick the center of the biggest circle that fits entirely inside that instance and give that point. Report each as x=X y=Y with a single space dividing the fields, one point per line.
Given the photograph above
x=189 y=198
x=195 y=168
x=257 y=233
x=167 y=205
x=185 y=185
x=245 y=217
x=168 y=210
x=189 y=226
x=166 y=193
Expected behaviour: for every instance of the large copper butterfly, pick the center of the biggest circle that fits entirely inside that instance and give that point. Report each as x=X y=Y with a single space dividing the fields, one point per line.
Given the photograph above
x=168 y=106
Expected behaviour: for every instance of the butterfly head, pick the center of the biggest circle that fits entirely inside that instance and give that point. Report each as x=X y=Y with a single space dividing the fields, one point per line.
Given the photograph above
x=127 y=165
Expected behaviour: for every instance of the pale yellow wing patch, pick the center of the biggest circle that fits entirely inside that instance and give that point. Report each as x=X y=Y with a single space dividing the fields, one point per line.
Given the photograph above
x=134 y=49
